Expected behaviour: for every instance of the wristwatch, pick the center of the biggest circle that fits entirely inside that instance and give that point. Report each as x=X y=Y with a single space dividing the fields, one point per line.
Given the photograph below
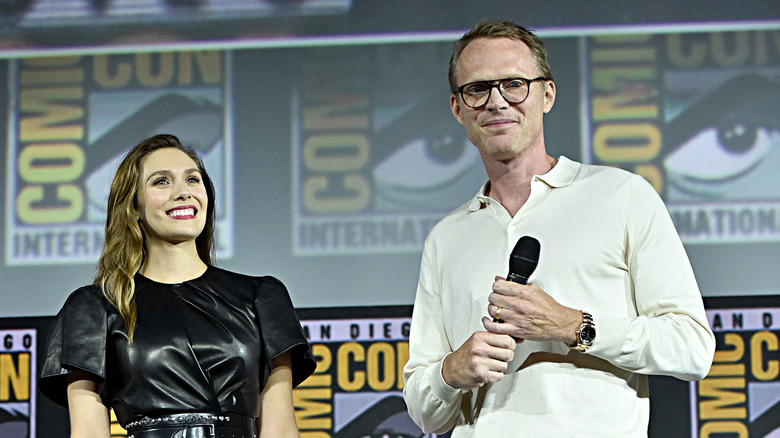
x=586 y=334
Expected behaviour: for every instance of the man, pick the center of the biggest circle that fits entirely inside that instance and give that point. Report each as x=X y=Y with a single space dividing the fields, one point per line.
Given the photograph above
x=612 y=300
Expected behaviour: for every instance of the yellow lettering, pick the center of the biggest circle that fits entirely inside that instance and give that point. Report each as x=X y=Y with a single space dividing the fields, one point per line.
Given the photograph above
x=106 y=77
x=685 y=55
x=627 y=142
x=154 y=69
x=209 y=65
x=733 y=53
x=403 y=357
x=718 y=428
x=335 y=115
x=386 y=364
x=50 y=163
x=309 y=408
x=70 y=196
x=353 y=196
x=348 y=352
x=51 y=124
x=722 y=397
x=757 y=342
x=16 y=376
x=336 y=153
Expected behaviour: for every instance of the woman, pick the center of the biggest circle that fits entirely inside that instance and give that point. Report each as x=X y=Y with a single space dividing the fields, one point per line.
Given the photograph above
x=176 y=346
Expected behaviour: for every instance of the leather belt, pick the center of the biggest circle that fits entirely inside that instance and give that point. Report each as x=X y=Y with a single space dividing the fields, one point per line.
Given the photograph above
x=193 y=425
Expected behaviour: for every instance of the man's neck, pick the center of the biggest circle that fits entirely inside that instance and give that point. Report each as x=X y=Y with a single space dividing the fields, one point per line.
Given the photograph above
x=510 y=180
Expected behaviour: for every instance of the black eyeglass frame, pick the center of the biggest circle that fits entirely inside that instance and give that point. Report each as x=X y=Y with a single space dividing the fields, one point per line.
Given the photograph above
x=497 y=84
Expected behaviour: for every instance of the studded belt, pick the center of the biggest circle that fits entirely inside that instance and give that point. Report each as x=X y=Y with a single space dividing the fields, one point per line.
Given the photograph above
x=193 y=425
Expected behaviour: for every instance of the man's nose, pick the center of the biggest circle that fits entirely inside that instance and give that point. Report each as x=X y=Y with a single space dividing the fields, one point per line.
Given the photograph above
x=495 y=99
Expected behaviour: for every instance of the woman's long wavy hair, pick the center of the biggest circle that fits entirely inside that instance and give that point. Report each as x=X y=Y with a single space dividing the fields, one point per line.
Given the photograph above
x=124 y=249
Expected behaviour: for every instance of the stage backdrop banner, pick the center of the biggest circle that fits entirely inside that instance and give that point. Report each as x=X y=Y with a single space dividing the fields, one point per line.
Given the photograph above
x=378 y=157
x=72 y=118
x=740 y=396
x=696 y=115
x=356 y=390
x=17 y=382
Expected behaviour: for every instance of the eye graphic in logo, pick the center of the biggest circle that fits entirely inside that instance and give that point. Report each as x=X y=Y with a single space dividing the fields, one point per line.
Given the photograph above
x=387 y=418
x=727 y=146
x=13 y=424
x=424 y=161
x=196 y=122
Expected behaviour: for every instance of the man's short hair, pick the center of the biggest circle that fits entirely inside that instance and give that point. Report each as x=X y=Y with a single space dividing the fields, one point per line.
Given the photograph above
x=500 y=29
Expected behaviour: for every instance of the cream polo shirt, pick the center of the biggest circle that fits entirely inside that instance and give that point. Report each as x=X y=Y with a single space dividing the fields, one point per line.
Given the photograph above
x=608 y=246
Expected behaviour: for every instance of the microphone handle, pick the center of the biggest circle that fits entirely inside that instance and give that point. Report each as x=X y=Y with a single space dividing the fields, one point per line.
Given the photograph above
x=515 y=278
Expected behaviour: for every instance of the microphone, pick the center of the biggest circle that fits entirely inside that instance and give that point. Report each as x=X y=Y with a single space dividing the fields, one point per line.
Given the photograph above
x=523 y=261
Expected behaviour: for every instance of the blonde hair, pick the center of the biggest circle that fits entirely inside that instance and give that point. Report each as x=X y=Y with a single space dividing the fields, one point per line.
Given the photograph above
x=124 y=248
x=500 y=29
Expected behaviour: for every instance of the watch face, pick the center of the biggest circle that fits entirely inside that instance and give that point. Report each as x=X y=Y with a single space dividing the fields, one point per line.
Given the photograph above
x=587 y=334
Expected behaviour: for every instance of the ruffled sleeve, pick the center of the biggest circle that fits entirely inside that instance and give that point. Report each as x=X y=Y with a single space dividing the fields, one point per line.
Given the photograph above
x=280 y=329
x=76 y=340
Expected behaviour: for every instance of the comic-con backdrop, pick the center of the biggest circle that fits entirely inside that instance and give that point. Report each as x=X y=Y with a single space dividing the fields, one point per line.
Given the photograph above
x=326 y=127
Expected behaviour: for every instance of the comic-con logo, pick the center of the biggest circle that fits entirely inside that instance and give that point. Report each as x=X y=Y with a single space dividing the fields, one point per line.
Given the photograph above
x=740 y=396
x=73 y=118
x=695 y=115
x=17 y=383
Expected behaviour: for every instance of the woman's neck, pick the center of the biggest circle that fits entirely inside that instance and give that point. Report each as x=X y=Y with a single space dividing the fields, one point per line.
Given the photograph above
x=172 y=264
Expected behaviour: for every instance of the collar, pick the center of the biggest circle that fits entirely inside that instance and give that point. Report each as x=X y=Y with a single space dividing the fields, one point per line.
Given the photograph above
x=559 y=176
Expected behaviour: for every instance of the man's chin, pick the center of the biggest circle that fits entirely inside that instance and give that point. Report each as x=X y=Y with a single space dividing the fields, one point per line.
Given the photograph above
x=501 y=153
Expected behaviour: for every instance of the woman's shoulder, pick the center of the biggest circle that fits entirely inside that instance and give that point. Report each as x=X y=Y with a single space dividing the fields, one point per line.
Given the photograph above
x=221 y=274
x=90 y=295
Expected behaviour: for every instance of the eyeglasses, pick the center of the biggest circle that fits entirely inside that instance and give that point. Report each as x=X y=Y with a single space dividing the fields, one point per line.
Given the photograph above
x=513 y=90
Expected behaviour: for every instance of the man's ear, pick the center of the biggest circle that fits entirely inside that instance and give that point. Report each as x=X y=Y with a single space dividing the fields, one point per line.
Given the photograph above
x=549 y=96
x=455 y=107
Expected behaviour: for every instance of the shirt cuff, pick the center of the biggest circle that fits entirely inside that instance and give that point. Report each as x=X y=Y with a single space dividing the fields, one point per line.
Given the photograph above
x=611 y=334
x=439 y=387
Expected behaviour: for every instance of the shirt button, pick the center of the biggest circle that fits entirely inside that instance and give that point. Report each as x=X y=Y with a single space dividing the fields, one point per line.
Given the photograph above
x=499 y=212
x=512 y=228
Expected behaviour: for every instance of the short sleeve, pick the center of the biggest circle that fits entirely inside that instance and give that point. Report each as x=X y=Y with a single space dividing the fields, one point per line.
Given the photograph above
x=76 y=340
x=280 y=329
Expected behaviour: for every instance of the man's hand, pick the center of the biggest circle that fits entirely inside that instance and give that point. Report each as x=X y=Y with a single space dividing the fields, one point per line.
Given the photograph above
x=528 y=312
x=483 y=358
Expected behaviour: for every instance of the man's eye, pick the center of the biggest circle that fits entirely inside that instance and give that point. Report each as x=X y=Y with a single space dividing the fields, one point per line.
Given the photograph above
x=476 y=89
x=513 y=84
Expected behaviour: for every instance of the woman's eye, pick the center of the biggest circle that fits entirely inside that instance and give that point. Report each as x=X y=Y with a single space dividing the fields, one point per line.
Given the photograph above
x=160 y=181
x=193 y=179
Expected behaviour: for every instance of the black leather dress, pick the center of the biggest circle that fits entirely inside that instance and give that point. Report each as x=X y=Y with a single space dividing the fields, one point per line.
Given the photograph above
x=205 y=345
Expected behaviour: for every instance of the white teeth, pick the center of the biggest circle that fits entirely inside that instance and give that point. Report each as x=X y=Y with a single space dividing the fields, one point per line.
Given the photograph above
x=182 y=212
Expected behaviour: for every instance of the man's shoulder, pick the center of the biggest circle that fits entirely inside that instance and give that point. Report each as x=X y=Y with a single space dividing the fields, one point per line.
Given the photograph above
x=460 y=212
x=457 y=221
x=602 y=174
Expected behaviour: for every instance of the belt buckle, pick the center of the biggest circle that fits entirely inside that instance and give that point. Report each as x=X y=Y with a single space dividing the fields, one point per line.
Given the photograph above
x=210 y=430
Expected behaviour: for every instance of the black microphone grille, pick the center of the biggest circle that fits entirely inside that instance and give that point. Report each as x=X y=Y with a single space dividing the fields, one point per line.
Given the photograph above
x=527 y=248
